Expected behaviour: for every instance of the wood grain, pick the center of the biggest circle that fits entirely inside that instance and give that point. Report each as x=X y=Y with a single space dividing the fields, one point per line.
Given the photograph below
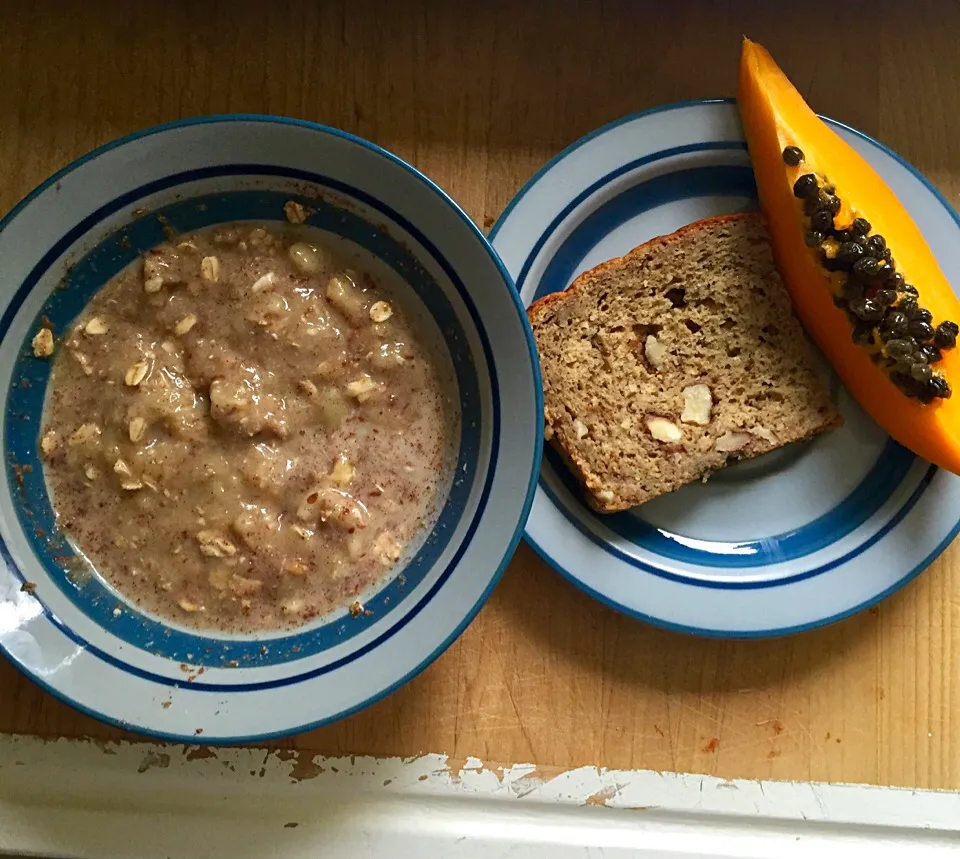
x=479 y=96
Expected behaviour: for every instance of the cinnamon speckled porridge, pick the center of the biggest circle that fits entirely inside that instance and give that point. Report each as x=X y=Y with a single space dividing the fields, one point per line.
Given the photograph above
x=244 y=432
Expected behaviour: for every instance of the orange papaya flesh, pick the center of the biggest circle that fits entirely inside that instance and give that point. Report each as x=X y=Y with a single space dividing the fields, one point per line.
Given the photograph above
x=826 y=280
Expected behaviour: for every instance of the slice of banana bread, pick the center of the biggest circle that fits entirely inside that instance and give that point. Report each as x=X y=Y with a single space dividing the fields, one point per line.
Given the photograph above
x=665 y=364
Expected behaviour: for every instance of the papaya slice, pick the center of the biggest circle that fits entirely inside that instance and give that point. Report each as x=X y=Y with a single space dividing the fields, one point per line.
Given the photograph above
x=862 y=279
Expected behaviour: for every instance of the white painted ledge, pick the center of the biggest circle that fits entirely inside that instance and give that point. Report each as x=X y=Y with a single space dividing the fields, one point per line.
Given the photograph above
x=82 y=799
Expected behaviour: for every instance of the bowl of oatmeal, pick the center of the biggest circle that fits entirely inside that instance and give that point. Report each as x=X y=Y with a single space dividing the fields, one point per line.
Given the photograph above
x=272 y=424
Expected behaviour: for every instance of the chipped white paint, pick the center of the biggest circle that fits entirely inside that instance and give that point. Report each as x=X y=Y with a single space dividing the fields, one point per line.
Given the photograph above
x=83 y=799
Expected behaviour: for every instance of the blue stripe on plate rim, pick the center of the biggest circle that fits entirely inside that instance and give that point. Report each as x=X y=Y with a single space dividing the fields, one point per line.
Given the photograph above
x=861 y=504
x=531 y=348
x=733 y=585
x=655 y=621
x=823 y=538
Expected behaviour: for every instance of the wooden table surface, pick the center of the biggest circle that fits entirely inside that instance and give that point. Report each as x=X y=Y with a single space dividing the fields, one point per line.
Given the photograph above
x=479 y=96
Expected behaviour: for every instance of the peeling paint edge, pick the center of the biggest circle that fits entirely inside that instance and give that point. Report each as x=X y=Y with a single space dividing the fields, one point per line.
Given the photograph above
x=298 y=791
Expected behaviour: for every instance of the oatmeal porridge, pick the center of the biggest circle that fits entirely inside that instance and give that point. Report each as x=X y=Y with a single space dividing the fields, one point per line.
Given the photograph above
x=243 y=433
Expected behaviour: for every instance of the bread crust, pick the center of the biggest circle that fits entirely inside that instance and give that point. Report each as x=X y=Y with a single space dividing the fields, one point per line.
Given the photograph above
x=578 y=464
x=619 y=262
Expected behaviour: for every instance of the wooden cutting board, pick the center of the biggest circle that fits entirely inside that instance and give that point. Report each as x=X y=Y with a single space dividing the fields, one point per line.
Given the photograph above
x=479 y=96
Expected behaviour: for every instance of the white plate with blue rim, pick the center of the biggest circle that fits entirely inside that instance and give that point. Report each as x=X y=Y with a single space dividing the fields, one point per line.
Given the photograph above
x=787 y=542
x=92 y=647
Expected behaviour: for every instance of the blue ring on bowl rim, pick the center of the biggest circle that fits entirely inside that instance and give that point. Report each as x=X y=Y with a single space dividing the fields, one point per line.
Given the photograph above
x=531 y=483
x=929 y=476
x=30 y=376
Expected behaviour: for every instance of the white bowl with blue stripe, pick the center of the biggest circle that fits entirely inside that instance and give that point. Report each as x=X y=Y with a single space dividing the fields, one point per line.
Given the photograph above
x=787 y=542
x=83 y=641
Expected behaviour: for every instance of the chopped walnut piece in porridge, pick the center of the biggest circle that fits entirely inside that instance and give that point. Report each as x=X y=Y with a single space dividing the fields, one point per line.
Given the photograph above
x=244 y=432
